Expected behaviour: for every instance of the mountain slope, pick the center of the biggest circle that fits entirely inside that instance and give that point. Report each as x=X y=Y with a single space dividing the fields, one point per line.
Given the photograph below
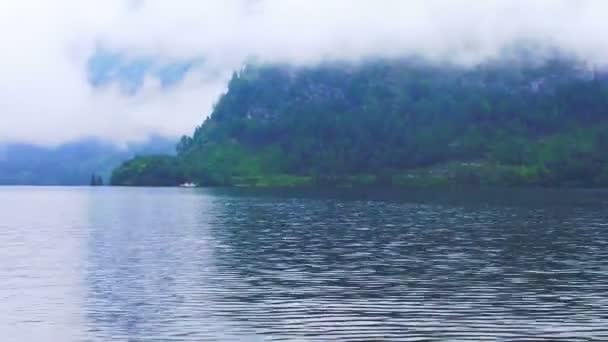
x=71 y=163
x=399 y=122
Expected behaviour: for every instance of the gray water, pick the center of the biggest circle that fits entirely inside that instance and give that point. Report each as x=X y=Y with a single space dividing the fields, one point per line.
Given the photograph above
x=114 y=264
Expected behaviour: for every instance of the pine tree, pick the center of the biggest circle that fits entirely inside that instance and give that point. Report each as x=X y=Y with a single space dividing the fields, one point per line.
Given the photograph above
x=96 y=180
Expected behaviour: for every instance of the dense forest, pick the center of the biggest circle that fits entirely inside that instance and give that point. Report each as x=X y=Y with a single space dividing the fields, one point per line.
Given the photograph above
x=73 y=163
x=403 y=122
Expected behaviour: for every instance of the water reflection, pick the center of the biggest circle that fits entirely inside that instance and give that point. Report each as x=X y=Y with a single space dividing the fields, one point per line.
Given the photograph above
x=377 y=269
x=149 y=267
x=41 y=256
x=197 y=265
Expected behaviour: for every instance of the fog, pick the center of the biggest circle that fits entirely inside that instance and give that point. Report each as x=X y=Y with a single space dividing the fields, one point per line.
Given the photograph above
x=47 y=97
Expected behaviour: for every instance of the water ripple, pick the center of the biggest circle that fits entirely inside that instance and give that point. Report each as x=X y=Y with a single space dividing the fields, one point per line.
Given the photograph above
x=203 y=265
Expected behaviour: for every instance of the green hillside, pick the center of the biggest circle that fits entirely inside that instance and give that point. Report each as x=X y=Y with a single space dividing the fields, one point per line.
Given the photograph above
x=405 y=122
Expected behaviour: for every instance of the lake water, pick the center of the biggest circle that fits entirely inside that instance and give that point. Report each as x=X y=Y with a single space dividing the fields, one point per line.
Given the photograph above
x=118 y=264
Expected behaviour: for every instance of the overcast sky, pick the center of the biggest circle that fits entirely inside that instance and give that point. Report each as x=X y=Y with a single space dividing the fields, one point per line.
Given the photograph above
x=125 y=69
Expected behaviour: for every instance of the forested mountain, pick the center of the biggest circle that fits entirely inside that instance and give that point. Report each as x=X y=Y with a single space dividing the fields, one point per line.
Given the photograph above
x=402 y=122
x=73 y=163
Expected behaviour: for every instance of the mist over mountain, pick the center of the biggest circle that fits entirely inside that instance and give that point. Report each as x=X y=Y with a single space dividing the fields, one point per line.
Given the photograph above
x=122 y=71
x=76 y=69
x=398 y=122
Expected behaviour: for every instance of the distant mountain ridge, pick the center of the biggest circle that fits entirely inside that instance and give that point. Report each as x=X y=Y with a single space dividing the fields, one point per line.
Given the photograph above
x=398 y=122
x=71 y=163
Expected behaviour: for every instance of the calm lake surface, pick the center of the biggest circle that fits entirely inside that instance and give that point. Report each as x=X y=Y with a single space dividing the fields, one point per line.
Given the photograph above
x=119 y=264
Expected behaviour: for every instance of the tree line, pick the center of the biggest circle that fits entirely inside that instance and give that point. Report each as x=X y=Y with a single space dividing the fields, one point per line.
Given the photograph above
x=397 y=122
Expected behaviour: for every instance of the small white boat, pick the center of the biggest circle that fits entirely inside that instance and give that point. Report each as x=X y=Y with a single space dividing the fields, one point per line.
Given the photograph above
x=188 y=185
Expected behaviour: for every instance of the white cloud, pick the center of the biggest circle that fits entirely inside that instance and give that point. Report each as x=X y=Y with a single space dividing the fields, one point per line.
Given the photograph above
x=45 y=96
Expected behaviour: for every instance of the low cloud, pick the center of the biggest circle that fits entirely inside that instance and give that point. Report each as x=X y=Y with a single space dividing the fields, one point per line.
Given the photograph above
x=47 y=96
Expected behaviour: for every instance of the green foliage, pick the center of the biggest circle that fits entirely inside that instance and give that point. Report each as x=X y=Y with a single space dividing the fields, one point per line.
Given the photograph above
x=402 y=123
x=278 y=180
x=218 y=164
x=418 y=181
x=149 y=171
